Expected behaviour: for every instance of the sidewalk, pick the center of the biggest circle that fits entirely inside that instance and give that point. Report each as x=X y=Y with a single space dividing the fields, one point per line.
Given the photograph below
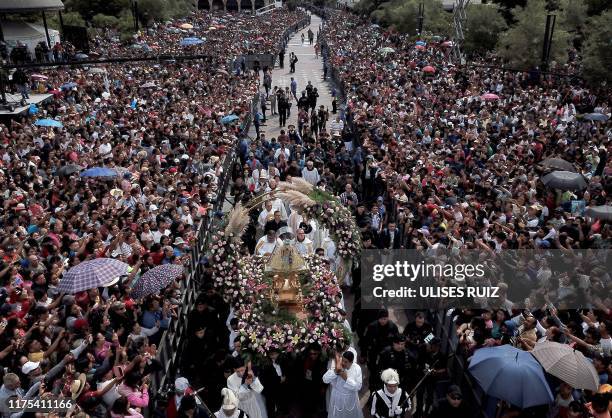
x=308 y=68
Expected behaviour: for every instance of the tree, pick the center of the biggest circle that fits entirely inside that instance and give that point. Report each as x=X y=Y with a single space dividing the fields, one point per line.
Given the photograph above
x=70 y=19
x=573 y=15
x=597 y=54
x=402 y=15
x=104 y=21
x=484 y=25
x=522 y=44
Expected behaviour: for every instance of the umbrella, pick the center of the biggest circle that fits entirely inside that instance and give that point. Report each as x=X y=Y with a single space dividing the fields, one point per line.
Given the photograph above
x=565 y=180
x=39 y=77
x=429 y=69
x=52 y=123
x=420 y=47
x=600 y=117
x=156 y=279
x=99 y=272
x=567 y=364
x=69 y=169
x=386 y=50
x=68 y=86
x=558 y=164
x=222 y=71
x=186 y=26
x=97 y=70
x=148 y=85
x=81 y=56
x=421 y=43
x=447 y=43
x=228 y=119
x=212 y=28
x=512 y=375
x=489 y=97
x=191 y=41
x=600 y=212
x=99 y=172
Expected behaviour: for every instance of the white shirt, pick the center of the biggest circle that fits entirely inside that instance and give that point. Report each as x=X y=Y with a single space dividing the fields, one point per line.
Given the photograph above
x=311 y=176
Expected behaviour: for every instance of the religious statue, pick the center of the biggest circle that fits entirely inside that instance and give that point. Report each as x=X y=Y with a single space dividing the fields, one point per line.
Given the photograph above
x=284 y=265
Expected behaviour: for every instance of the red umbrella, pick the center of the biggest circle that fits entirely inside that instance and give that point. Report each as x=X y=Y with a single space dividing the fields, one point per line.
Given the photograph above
x=489 y=97
x=420 y=47
x=447 y=43
x=429 y=69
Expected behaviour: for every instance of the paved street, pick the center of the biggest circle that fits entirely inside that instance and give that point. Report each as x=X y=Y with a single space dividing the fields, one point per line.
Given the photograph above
x=308 y=68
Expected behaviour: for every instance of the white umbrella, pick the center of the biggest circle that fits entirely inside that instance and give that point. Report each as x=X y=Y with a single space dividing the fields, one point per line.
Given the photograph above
x=567 y=364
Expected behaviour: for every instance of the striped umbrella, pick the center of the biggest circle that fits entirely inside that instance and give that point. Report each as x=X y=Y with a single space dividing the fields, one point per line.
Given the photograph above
x=99 y=272
x=567 y=364
x=156 y=279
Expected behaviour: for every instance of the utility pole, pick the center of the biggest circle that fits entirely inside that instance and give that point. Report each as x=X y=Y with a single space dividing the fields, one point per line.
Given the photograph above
x=135 y=14
x=459 y=18
x=420 y=18
x=548 y=37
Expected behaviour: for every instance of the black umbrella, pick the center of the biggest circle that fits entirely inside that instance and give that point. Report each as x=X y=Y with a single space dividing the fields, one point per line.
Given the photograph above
x=69 y=169
x=600 y=212
x=558 y=164
x=564 y=180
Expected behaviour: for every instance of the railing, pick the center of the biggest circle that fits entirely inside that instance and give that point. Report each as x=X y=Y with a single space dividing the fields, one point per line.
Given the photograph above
x=268 y=8
x=445 y=329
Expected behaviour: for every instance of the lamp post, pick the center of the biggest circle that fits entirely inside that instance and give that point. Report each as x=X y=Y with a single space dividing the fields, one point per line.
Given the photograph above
x=135 y=14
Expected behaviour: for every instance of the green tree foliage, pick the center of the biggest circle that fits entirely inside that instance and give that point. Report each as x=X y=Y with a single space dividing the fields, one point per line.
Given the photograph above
x=597 y=53
x=402 y=15
x=522 y=44
x=104 y=21
x=573 y=15
x=70 y=19
x=484 y=25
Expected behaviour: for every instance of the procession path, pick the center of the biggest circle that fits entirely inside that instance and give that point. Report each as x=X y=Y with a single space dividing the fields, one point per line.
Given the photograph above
x=308 y=68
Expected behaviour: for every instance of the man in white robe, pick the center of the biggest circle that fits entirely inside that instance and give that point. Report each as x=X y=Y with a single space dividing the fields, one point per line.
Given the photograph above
x=248 y=393
x=303 y=244
x=267 y=243
x=229 y=407
x=264 y=215
x=345 y=380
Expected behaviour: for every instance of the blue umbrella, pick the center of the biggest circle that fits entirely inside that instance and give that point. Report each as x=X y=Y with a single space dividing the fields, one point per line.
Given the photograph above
x=600 y=117
x=421 y=43
x=68 y=86
x=512 y=375
x=49 y=122
x=191 y=41
x=99 y=172
x=81 y=56
x=229 y=119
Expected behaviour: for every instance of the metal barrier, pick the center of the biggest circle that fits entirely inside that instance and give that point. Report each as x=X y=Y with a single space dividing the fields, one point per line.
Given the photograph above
x=444 y=328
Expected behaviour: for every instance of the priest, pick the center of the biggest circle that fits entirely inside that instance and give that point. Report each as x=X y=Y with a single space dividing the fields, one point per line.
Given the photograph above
x=345 y=379
x=229 y=408
x=390 y=401
x=247 y=388
x=266 y=244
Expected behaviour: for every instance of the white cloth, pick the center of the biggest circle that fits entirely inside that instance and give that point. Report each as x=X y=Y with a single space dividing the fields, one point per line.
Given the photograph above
x=251 y=401
x=278 y=205
x=344 y=402
x=311 y=176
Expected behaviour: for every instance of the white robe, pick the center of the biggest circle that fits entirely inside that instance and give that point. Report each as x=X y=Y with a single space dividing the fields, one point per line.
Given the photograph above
x=251 y=400
x=221 y=414
x=344 y=402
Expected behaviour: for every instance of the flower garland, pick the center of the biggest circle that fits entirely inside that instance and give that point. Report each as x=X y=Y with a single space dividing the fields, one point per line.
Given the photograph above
x=243 y=284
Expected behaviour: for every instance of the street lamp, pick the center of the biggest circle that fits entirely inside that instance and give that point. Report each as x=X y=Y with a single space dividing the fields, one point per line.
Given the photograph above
x=135 y=14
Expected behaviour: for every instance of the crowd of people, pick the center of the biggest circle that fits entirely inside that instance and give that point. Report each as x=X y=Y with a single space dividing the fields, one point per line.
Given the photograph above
x=420 y=155
x=123 y=162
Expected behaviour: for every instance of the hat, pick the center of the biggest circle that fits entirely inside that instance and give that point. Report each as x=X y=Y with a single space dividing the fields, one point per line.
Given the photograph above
x=77 y=386
x=179 y=241
x=153 y=208
x=29 y=367
x=230 y=401
x=390 y=377
x=116 y=193
x=181 y=384
x=80 y=323
x=454 y=390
